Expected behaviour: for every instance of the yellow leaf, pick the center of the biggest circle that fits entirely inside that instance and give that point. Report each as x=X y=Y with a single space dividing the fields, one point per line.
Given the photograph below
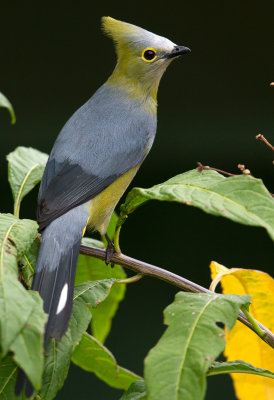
x=242 y=343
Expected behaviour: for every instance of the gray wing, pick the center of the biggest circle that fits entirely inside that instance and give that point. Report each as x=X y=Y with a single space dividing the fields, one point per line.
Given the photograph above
x=106 y=137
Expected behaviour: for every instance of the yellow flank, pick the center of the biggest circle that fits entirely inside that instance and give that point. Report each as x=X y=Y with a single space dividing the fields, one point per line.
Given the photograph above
x=84 y=231
x=102 y=206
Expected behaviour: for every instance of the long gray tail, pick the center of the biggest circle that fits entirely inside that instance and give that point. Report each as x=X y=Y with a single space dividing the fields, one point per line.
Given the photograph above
x=55 y=275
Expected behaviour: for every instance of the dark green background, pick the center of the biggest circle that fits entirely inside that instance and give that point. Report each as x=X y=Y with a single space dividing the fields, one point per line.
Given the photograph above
x=212 y=103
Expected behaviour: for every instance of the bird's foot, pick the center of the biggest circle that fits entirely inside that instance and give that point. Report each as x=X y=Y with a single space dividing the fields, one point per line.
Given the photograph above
x=110 y=250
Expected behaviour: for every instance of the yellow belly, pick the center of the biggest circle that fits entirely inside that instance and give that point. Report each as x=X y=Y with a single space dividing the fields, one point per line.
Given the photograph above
x=102 y=206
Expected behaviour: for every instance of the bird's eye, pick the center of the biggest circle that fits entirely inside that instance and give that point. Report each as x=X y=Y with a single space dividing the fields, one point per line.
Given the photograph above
x=149 y=55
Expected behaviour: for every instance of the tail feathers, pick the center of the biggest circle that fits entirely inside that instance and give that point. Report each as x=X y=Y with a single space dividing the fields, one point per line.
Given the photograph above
x=55 y=283
x=58 y=303
x=56 y=289
x=54 y=277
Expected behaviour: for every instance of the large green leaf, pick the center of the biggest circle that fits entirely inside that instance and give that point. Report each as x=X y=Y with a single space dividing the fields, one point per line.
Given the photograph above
x=25 y=170
x=93 y=356
x=28 y=345
x=137 y=391
x=84 y=267
x=57 y=357
x=4 y=102
x=15 y=237
x=89 y=268
x=22 y=318
x=242 y=199
x=176 y=367
x=237 y=366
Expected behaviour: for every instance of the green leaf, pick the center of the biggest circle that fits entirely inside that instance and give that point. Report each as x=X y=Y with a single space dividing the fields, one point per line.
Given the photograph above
x=28 y=345
x=15 y=237
x=89 y=268
x=136 y=391
x=93 y=356
x=86 y=241
x=84 y=271
x=242 y=199
x=176 y=367
x=237 y=366
x=22 y=318
x=4 y=102
x=8 y=373
x=57 y=357
x=25 y=170
x=27 y=263
x=103 y=314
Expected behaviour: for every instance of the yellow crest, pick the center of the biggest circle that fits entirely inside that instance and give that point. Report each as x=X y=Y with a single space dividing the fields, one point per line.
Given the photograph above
x=142 y=56
x=120 y=31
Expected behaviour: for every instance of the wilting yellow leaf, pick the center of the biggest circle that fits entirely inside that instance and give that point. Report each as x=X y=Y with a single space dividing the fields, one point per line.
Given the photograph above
x=242 y=343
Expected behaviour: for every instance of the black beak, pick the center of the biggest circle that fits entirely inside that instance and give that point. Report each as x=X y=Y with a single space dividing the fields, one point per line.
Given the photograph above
x=178 y=51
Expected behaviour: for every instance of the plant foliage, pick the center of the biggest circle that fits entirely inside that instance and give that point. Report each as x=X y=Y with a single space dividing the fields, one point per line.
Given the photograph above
x=178 y=365
x=4 y=102
x=242 y=198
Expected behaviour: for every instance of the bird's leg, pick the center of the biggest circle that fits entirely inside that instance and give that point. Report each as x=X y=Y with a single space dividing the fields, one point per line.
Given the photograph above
x=110 y=250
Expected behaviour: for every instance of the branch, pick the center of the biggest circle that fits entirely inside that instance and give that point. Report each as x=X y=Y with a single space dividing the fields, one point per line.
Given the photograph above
x=241 y=167
x=201 y=167
x=184 y=284
x=263 y=139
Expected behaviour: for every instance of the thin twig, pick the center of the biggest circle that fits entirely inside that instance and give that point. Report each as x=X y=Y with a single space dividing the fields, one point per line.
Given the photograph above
x=184 y=284
x=241 y=167
x=263 y=139
x=202 y=167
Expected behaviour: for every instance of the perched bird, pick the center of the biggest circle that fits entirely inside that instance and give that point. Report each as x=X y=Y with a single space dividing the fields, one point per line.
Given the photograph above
x=93 y=160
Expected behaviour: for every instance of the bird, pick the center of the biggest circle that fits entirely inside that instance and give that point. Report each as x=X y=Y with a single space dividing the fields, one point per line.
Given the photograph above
x=93 y=160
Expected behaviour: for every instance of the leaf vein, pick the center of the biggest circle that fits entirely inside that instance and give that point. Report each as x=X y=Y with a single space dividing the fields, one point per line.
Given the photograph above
x=187 y=344
x=17 y=201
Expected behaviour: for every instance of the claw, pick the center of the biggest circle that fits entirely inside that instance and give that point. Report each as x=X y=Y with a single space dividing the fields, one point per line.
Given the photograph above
x=110 y=250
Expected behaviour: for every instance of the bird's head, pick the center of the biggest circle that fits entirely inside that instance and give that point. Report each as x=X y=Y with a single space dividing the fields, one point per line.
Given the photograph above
x=142 y=56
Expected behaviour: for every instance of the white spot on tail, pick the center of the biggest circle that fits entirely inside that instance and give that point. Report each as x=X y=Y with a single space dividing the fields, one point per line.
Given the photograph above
x=63 y=299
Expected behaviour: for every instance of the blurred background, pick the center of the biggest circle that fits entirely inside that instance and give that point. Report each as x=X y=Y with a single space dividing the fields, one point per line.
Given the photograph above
x=212 y=103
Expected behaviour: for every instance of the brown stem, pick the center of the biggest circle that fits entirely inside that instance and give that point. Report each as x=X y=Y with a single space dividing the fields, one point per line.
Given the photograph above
x=241 y=167
x=202 y=167
x=263 y=139
x=184 y=284
x=245 y=171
